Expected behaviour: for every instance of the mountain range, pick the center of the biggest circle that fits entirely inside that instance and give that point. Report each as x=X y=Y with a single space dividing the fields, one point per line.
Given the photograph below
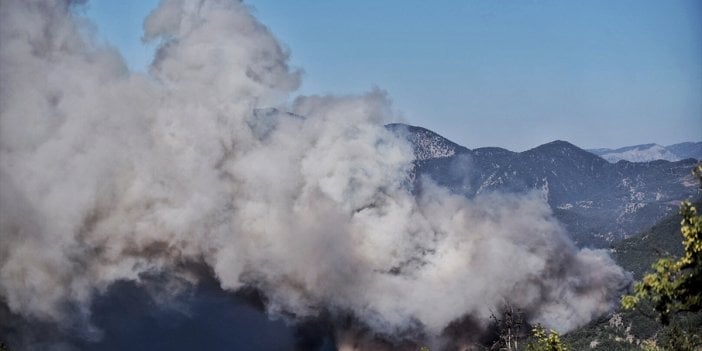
x=651 y=152
x=597 y=201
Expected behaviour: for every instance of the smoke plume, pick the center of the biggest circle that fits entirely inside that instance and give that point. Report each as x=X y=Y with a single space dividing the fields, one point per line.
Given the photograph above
x=108 y=175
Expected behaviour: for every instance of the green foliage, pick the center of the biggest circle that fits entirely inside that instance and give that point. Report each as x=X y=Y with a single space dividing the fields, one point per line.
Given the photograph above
x=675 y=285
x=635 y=330
x=543 y=341
x=680 y=337
x=612 y=333
x=649 y=346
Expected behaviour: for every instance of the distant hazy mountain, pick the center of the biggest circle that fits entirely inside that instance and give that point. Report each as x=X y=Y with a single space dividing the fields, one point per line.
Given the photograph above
x=652 y=152
x=598 y=202
x=687 y=150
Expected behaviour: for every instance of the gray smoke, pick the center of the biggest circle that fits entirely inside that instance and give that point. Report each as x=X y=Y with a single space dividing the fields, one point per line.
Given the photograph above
x=108 y=175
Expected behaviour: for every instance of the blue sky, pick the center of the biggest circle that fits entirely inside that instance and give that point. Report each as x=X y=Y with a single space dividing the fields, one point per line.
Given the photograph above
x=514 y=74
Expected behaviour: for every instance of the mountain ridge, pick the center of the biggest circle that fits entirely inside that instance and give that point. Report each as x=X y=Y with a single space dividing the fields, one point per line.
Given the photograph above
x=598 y=202
x=651 y=152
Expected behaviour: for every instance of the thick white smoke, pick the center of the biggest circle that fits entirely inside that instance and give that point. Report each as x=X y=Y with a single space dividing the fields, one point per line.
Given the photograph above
x=107 y=174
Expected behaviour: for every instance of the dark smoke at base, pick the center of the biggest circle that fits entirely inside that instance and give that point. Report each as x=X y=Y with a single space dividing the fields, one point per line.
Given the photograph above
x=131 y=316
x=110 y=177
x=204 y=317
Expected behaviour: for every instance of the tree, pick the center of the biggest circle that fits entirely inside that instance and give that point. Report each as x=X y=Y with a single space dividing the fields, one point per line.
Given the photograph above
x=675 y=285
x=509 y=328
x=545 y=342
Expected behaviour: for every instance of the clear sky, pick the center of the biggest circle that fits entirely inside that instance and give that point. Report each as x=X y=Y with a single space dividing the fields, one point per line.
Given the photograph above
x=514 y=74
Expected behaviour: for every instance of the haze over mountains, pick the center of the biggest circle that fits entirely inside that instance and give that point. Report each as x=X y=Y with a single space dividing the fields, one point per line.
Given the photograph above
x=651 y=152
x=597 y=201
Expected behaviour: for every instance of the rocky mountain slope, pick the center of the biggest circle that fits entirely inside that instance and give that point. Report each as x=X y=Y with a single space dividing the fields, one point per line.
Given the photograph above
x=628 y=329
x=597 y=201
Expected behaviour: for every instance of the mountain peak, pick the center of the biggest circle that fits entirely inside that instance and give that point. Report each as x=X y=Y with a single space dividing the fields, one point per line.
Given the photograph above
x=566 y=152
x=426 y=144
x=560 y=145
